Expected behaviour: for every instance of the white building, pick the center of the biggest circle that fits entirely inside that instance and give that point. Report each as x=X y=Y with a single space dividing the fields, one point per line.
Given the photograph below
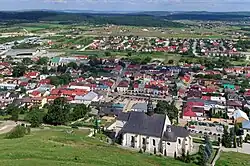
x=87 y=99
x=123 y=86
x=152 y=133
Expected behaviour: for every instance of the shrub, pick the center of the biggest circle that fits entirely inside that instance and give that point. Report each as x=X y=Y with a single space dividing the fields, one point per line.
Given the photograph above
x=28 y=130
x=74 y=127
x=18 y=132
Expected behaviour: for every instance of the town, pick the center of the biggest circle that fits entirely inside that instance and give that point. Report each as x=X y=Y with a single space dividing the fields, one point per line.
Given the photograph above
x=184 y=100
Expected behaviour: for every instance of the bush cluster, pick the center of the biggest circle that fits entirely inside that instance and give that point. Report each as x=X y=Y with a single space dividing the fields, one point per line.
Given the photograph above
x=18 y=132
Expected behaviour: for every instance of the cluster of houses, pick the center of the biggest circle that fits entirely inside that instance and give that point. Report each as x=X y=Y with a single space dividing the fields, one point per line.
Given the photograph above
x=151 y=80
x=205 y=95
x=221 y=47
x=40 y=92
x=142 y=44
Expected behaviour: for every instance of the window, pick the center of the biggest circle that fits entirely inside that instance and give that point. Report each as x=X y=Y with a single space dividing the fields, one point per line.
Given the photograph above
x=132 y=139
x=179 y=141
x=143 y=141
x=153 y=142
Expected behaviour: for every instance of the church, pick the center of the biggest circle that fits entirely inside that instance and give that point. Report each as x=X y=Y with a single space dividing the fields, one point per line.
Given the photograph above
x=152 y=133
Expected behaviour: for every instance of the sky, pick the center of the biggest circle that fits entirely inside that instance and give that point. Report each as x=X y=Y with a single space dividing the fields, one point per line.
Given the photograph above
x=128 y=5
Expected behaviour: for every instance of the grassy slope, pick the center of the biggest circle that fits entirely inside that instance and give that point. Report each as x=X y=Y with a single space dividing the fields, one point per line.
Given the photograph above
x=233 y=159
x=59 y=148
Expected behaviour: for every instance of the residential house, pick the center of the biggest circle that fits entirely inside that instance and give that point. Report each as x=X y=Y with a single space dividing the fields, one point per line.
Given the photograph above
x=88 y=98
x=123 y=86
x=32 y=74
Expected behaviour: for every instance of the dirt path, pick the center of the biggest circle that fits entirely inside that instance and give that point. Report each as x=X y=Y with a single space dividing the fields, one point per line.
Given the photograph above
x=7 y=126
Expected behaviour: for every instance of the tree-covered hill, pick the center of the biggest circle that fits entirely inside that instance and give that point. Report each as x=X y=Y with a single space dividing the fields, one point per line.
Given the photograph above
x=89 y=18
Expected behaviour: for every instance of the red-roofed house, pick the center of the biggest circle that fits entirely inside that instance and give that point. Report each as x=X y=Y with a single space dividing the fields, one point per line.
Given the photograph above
x=206 y=97
x=123 y=86
x=44 y=81
x=82 y=57
x=50 y=99
x=32 y=74
x=24 y=84
x=188 y=113
x=208 y=90
x=35 y=94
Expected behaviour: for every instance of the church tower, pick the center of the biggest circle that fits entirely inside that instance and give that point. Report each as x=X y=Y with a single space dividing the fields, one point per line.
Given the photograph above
x=150 y=109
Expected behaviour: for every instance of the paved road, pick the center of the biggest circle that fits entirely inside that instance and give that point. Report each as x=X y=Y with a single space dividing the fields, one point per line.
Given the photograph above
x=84 y=48
x=194 y=48
x=167 y=98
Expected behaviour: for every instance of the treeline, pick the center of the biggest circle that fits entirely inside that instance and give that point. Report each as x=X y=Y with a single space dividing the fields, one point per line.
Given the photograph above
x=243 y=45
x=57 y=113
x=206 y=16
x=89 y=18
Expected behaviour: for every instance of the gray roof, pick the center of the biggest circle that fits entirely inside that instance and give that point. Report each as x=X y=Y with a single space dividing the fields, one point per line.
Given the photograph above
x=90 y=96
x=176 y=131
x=14 y=95
x=140 y=107
x=110 y=111
x=141 y=123
x=123 y=116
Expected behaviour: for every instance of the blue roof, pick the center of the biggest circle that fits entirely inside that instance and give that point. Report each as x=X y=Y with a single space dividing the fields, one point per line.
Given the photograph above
x=103 y=86
x=117 y=105
x=246 y=124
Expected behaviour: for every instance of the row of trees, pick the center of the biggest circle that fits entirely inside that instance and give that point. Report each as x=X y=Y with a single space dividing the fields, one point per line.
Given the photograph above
x=209 y=76
x=230 y=139
x=57 y=113
x=20 y=69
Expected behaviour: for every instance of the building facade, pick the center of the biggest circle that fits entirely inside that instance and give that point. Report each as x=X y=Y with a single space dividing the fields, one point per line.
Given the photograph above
x=152 y=133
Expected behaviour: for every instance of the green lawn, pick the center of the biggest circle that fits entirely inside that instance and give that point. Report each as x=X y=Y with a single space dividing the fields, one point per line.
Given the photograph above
x=56 y=147
x=233 y=159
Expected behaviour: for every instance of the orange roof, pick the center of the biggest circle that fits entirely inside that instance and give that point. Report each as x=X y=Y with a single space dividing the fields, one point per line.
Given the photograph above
x=35 y=93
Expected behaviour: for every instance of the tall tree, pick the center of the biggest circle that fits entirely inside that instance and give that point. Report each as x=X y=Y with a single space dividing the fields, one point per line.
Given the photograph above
x=27 y=61
x=58 y=112
x=79 y=111
x=107 y=54
x=13 y=111
x=43 y=61
x=226 y=138
x=35 y=117
x=72 y=65
x=15 y=114
x=208 y=146
x=45 y=70
x=170 y=110
x=19 y=70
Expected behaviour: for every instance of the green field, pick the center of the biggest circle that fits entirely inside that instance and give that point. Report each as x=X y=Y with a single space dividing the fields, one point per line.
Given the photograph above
x=57 y=147
x=233 y=159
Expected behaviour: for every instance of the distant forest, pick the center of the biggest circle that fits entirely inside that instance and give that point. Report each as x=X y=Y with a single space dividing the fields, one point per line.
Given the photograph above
x=88 y=18
x=148 y=19
x=202 y=15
